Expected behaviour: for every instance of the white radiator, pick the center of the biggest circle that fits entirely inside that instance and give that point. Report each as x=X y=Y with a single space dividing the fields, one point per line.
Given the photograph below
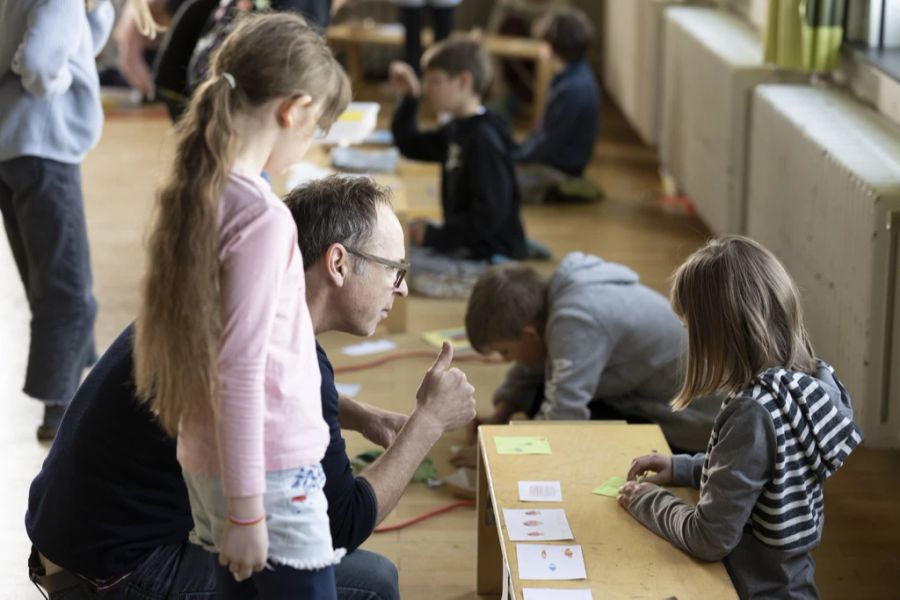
x=712 y=61
x=632 y=57
x=824 y=195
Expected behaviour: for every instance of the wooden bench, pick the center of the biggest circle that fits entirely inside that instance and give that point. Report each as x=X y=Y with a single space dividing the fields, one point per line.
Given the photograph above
x=352 y=36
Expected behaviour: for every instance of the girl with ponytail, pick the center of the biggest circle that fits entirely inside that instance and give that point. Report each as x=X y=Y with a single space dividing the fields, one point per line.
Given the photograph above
x=224 y=346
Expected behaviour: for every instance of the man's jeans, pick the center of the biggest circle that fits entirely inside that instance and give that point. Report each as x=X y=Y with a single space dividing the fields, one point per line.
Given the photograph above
x=186 y=571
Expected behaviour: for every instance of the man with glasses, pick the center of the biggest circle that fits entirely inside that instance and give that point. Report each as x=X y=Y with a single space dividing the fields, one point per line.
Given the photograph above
x=108 y=514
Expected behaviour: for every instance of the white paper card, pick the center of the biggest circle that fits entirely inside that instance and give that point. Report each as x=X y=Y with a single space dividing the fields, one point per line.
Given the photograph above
x=556 y=594
x=540 y=491
x=348 y=389
x=531 y=525
x=540 y=561
x=369 y=347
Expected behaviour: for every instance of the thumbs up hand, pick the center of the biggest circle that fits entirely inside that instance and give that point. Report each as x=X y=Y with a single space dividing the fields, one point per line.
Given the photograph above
x=445 y=394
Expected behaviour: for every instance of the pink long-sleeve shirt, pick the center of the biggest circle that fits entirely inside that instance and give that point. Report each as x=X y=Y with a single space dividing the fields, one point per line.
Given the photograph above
x=267 y=414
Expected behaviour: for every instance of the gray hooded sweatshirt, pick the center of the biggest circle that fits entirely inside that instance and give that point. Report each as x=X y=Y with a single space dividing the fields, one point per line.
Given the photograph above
x=761 y=505
x=611 y=339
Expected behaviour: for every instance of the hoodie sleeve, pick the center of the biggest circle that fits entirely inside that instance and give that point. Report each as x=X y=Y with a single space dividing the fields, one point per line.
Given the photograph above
x=51 y=36
x=578 y=350
x=430 y=145
x=740 y=464
x=490 y=184
x=101 y=20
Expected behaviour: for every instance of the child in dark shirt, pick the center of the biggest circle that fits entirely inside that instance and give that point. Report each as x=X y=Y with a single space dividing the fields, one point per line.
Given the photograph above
x=479 y=195
x=555 y=153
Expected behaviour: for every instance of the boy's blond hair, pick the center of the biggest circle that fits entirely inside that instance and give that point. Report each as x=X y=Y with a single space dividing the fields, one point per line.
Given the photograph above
x=460 y=53
x=743 y=315
x=505 y=299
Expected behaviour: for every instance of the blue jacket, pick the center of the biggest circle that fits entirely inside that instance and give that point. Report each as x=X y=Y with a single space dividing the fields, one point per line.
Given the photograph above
x=565 y=137
x=49 y=89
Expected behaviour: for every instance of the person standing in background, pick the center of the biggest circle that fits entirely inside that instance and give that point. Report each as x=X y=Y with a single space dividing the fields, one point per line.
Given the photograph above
x=411 y=16
x=50 y=116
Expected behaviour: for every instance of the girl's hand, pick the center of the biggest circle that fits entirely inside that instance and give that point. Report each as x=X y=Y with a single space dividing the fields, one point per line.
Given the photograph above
x=661 y=466
x=629 y=492
x=243 y=549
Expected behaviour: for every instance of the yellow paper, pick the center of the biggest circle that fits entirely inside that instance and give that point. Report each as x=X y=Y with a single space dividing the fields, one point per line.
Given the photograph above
x=610 y=487
x=522 y=445
x=455 y=335
x=351 y=115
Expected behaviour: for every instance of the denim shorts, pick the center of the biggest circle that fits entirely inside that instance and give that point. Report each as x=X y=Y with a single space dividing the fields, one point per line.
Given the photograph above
x=296 y=516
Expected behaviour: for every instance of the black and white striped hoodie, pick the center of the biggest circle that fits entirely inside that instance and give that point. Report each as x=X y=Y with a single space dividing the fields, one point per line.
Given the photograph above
x=761 y=509
x=814 y=438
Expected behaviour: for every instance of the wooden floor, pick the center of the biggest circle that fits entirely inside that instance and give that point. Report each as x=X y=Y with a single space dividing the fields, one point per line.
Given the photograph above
x=436 y=558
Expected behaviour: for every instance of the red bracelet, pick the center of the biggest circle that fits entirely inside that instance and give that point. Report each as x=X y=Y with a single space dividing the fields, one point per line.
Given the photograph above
x=236 y=521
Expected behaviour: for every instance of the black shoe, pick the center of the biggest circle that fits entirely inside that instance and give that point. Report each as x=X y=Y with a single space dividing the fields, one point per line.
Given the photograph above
x=53 y=414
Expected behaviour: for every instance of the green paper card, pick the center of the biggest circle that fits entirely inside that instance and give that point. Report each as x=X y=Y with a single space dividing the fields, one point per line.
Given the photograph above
x=610 y=487
x=522 y=445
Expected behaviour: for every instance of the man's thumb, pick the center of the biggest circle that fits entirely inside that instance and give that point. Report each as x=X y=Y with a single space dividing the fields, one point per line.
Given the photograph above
x=443 y=360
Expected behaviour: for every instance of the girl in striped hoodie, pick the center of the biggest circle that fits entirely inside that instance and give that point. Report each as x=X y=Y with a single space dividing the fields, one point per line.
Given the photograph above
x=785 y=426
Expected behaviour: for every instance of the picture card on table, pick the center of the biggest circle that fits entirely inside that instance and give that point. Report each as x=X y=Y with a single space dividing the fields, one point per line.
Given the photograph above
x=556 y=594
x=522 y=445
x=542 y=561
x=540 y=491
x=533 y=524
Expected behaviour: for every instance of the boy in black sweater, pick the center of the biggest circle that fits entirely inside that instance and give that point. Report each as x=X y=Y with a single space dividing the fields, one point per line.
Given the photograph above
x=479 y=195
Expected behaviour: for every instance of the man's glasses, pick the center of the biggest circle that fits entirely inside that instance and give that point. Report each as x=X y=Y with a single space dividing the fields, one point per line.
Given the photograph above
x=402 y=267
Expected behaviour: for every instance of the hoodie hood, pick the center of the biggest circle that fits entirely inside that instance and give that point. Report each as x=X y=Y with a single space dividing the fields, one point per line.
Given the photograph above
x=818 y=411
x=577 y=269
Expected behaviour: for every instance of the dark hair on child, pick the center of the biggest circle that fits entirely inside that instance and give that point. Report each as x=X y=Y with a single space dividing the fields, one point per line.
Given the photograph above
x=338 y=209
x=568 y=31
x=506 y=298
x=460 y=53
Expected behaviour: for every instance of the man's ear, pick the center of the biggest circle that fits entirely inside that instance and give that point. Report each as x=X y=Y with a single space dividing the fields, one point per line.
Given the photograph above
x=289 y=110
x=337 y=264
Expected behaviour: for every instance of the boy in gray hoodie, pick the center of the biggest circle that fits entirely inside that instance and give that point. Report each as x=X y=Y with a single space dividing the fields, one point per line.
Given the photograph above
x=592 y=343
x=50 y=116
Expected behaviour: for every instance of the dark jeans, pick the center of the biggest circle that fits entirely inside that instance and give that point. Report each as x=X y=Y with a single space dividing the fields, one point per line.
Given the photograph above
x=277 y=583
x=186 y=571
x=411 y=17
x=43 y=213
x=173 y=572
x=361 y=575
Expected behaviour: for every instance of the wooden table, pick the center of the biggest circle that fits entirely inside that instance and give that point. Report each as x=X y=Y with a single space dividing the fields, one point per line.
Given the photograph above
x=622 y=558
x=351 y=36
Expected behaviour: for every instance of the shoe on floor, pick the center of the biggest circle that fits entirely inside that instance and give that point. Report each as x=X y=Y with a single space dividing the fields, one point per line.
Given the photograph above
x=574 y=190
x=53 y=414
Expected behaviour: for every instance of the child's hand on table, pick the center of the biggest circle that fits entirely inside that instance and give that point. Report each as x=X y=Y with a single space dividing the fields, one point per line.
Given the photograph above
x=631 y=491
x=660 y=465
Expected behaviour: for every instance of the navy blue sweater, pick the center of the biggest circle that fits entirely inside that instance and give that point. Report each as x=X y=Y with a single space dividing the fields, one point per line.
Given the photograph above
x=479 y=195
x=565 y=137
x=110 y=490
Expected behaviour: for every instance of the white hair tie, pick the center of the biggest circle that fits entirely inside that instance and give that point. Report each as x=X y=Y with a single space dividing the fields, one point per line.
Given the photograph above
x=230 y=79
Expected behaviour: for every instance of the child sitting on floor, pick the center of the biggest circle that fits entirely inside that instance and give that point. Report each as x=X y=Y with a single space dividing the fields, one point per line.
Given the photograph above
x=479 y=196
